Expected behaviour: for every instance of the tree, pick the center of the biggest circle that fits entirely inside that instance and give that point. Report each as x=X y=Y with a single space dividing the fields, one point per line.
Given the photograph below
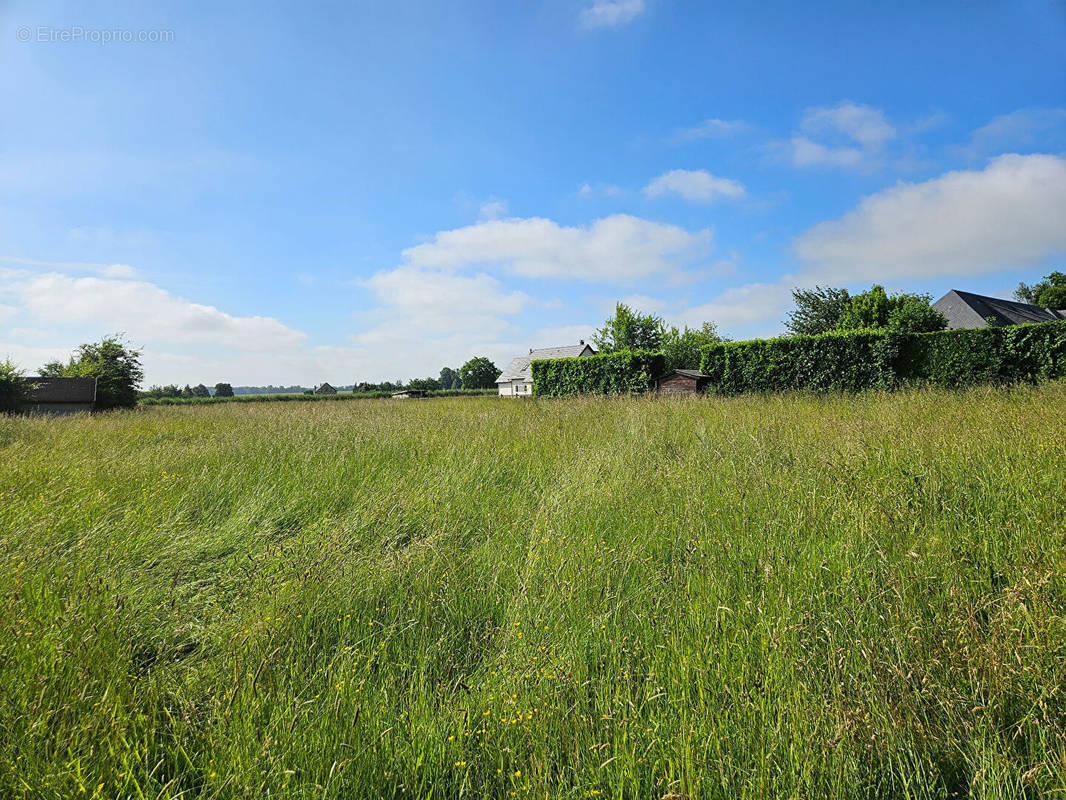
x=424 y=384
x=115 y=365
x=682 y=348
x=449 y=378
x=1048 y=293
x=629 y=330
x=904 y=313
x=867 y=310
x=914 y=314
x=223 y=390
x=818 y=310
x=199 y=390
x=478 y=373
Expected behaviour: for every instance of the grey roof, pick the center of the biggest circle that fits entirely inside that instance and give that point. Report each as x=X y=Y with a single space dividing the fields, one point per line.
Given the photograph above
x=969 y=310
x=59 y=390
x=325 y=388
x=688 y=373
x=521 y=368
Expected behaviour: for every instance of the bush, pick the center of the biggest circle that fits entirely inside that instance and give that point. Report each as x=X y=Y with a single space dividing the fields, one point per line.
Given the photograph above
x=964 y=357
x=624 y=372
x=10 y=387
x=833 y=361
x=877 y=359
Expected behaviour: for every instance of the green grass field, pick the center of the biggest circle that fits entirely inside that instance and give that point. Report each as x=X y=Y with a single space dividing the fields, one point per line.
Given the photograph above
x=857 y=596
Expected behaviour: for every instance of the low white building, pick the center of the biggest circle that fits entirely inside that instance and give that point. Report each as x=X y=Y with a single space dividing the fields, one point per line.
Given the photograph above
x=517 y=379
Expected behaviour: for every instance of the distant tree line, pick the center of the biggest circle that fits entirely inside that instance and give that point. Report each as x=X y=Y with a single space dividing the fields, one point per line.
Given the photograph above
x=477 y=373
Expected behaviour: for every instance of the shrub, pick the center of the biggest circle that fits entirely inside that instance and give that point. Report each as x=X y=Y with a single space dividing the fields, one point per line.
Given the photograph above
x=624 y=372
x=10 y=387
x=879 y=359
x=964 y=357
x=833 y=361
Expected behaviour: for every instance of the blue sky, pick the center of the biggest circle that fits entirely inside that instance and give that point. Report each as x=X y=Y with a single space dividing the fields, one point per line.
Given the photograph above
x=266 y=193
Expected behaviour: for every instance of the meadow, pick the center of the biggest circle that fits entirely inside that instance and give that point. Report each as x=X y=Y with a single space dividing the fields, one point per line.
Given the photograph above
x=762 y=596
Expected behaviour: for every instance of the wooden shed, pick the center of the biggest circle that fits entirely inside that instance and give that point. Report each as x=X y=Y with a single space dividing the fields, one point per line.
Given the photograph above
x=682 y=382
x=325 y=388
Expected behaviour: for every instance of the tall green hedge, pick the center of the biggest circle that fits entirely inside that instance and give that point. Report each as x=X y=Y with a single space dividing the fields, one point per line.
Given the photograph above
x=877 y=359
x=625 y=372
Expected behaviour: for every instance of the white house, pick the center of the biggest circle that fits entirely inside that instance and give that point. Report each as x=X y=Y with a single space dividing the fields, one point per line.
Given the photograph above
x=517 y=379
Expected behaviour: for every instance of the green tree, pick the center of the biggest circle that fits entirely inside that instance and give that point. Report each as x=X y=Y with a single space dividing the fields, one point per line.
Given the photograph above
x=223 y=390
x=904 y=313
x=424 y=384
x=1048 y=293
x=11 y=387
x=682 y=347
x=818 y=310
x=449 y=379
x=115 y=365
x=629 y=330
x=478 y=373
x=867 y=310
x=914 y=314
x=199 y=390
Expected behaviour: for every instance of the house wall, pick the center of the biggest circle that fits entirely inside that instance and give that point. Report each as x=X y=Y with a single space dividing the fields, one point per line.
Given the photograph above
x=679 y=385
x=516 y=388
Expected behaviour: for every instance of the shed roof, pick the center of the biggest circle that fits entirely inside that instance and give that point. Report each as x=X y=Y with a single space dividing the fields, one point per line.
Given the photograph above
x=59 y=390
x=520 y=368
x=969 y=310
x=688 y=373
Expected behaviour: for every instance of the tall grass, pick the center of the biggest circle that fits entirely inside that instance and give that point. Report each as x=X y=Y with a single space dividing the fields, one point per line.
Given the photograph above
x=859 y=596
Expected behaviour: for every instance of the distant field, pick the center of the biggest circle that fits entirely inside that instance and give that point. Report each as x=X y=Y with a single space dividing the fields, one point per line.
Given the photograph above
x=626 y=598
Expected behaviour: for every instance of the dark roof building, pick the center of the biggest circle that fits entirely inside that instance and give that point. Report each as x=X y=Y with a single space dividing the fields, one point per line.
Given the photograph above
x=517 y=379
x=57 y=395
x=325 y=388
x=682 y=382
x=968 y=310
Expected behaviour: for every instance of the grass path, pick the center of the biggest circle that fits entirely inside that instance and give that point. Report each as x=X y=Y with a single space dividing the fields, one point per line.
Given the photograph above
x=612 y=597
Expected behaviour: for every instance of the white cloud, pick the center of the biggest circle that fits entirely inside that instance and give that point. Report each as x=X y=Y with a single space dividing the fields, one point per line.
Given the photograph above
x=611 y=13
x=493 y=208
x=118 y=271
x=860 y=123
x=710 y=129
x=1006 y=216
x=146 y=312
x=847 y=135
x=438 y=302
x=617 y=248
x=697 y=185
x=107 y=270
x=1017 y=128
x=740 y=306
x=603 y=189
x=805 y=153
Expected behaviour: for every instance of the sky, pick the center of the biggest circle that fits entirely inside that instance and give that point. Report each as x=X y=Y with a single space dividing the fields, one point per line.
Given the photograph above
x=273 y=193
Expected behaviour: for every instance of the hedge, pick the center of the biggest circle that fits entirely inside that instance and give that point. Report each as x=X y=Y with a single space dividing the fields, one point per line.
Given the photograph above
x=625 y=372
x=877 y=359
